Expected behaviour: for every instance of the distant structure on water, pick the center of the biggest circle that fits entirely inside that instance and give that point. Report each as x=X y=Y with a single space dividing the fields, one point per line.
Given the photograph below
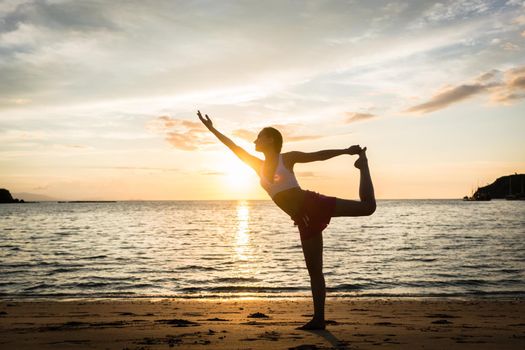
x=510 y=187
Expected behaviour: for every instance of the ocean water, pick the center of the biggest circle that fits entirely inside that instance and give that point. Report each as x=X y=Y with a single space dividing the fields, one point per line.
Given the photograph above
x=251 y=248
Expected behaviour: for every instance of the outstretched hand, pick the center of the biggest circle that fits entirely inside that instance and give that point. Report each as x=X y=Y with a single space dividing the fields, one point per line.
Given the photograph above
x=206 y=121
x=355 y=149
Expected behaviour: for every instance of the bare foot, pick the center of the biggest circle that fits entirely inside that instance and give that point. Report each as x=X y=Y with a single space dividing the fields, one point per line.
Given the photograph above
x=362 y=160
x=313 y=325
x=355 y=149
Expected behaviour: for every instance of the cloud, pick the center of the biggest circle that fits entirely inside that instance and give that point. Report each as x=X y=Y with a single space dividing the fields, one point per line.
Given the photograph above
x=508 y=46
x=245 y=134
x=63 y=15
x=10 y=136
x=511 y=88
x=292 y=132
x=167 y=122
x=447 y=97
x=166 y=55
x=515 y=78
x=70 y=146
x=294 y=138
x=180 y=133
x=83 y=51
x=455 y=9
x=183 y=141
x=488 y=75
x=520 y=20
x=171 y=122
x=67 y=52
x=357 y=116
x=289 y=132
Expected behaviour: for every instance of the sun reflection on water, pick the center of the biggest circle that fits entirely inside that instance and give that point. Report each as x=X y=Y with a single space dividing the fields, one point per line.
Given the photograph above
x=242 y=238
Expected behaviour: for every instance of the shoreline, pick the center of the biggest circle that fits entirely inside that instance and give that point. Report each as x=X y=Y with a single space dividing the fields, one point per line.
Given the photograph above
x=273 y=296
x=261 y=323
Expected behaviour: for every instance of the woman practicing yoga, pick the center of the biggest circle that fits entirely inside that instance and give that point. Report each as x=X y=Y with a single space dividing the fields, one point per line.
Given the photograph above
x=310 y=211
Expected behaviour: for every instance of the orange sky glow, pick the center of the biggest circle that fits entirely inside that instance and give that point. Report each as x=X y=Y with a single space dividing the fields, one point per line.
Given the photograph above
x=99 y=100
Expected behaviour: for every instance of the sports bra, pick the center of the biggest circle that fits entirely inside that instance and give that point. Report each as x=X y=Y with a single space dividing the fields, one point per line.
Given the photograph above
x=283 y=179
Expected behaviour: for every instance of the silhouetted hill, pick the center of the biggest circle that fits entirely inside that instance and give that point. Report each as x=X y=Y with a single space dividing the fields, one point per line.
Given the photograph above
x=6 y=197
x=504 y=186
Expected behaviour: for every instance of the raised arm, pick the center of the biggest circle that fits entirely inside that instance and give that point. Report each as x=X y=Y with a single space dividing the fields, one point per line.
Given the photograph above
x=246 y=157
x=303 y=157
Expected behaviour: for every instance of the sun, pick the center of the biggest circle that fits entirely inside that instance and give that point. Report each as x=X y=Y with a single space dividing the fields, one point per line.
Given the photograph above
x=238 y=176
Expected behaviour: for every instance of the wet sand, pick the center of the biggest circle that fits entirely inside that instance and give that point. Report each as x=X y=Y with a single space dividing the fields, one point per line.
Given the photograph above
x=354 y=323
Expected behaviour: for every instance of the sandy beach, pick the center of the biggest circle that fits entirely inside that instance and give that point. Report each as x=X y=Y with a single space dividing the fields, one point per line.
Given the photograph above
x=354 y=323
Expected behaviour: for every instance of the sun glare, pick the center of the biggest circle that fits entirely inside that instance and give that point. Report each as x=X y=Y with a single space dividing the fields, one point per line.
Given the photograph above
x=242 y=239
x=237 y=175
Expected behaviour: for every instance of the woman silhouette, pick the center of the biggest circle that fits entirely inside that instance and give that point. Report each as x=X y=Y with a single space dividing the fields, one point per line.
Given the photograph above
x=310 y=211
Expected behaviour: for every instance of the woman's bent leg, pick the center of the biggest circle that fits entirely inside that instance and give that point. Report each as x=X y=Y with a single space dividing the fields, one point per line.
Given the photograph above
x=367 y=205
x=313 y=256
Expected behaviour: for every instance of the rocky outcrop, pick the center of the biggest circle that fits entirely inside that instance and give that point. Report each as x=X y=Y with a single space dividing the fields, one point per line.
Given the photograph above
x=5 y=197
x=511 y=186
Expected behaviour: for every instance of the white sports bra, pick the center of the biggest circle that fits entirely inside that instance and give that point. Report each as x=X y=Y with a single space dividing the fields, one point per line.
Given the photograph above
x=283 y=179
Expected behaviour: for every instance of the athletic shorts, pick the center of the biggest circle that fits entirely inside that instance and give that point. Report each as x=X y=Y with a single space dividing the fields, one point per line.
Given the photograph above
x=314 y=215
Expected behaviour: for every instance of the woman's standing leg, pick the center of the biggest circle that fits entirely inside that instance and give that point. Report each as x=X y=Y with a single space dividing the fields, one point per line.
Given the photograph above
x=313 y=256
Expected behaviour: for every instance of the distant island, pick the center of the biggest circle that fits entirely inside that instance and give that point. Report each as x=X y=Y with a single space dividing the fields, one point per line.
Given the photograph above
x=6 y=197
x=506 y=187
x=95 y=201
x=34 y=197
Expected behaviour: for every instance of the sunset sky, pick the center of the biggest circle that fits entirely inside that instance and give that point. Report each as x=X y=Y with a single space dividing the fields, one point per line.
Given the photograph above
x=98 y=99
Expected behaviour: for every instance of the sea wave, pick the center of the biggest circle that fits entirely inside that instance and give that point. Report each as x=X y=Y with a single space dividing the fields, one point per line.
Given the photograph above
x=182 y=248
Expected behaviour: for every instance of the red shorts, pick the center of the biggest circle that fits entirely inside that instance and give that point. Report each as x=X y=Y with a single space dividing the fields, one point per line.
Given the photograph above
x=315 y=214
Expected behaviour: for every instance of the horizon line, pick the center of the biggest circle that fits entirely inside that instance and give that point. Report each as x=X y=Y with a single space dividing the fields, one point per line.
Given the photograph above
x=212 y=200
